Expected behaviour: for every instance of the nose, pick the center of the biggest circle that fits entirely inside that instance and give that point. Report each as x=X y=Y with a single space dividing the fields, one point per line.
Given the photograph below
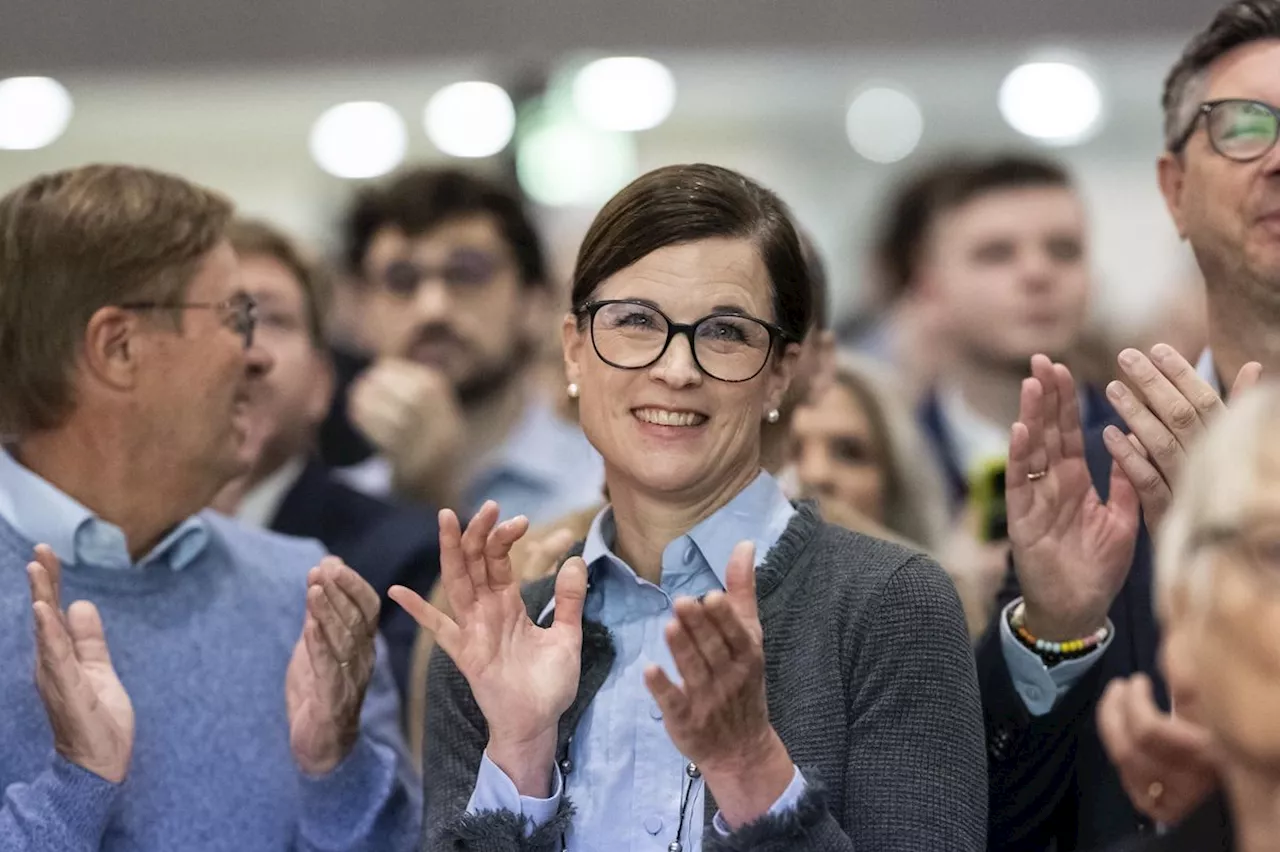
x=677 y=368
x=814 y=468
x=1036 y=269
x=432 y=302
x=258 y=362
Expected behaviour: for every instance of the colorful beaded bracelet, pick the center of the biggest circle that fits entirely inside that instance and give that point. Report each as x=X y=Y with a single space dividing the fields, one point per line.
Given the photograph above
x=1054 y=652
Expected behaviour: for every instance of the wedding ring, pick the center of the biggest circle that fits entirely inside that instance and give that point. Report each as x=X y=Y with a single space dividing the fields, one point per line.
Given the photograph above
x=1039 y=474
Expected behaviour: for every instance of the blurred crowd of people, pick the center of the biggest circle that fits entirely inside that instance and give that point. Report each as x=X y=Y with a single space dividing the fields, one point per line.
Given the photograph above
x=403 y=543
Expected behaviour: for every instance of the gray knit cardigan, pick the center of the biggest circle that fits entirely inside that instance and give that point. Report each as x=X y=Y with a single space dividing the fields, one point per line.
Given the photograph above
x=871 y=686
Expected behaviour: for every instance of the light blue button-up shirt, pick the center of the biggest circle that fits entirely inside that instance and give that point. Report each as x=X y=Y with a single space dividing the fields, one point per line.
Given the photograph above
x=1038 y=685
x=628 y=778
x=545 y=469
x=45 y=515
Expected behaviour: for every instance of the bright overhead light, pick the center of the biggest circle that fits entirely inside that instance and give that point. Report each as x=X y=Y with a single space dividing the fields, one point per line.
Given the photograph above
x=564 y=162
x=34 y=111
x=624 y=93
x=884 y=125
x=472 y=119
x=1055 y=102
x=359 y=139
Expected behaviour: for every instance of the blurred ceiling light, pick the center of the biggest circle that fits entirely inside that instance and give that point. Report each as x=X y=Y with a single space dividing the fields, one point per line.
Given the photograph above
x=472 y=119
x=564 y=163
x=359 y=139
x=884 y=125
x=1057 y=103
x=34 y=111
x=624 y=93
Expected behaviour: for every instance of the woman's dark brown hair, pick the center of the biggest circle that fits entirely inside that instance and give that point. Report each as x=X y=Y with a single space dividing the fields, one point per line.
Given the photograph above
x=675 y=205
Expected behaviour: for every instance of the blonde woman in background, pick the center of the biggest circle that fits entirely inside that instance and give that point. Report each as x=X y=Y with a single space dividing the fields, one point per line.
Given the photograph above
x=857 y=450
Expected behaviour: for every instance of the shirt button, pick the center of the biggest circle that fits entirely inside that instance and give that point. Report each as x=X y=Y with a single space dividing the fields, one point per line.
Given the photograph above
x=1033 y=693
x=655 y=712
x=690 y=554
x=653 y=824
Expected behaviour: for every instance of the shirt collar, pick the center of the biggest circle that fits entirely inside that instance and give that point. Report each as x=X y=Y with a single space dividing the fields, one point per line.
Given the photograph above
x=758 y=513
x=43 y=514
x=1206 y=370
x=259 y=506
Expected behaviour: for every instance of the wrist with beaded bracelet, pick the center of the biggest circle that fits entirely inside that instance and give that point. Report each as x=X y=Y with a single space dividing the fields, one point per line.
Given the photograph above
x=1053 y=653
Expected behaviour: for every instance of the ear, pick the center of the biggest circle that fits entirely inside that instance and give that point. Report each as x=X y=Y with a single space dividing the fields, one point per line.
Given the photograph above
x=323 y=382
x=1171 y=171
x=113 y=348
x=575 y=344
x=778 y=375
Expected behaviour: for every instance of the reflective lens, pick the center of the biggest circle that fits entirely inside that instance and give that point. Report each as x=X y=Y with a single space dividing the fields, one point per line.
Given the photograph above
x=1242 y=130
x=631 y=336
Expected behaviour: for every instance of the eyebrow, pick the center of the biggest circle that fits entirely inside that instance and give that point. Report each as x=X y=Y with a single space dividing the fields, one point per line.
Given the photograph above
x=718 y=309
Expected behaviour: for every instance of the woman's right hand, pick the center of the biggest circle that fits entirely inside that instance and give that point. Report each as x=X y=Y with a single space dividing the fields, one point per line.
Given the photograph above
x=1071 y=550
x=522 y=676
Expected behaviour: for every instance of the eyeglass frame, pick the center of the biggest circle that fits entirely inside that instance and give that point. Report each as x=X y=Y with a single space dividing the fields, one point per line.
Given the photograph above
x=589 y=310
x=244 y=308
x=1180 y=144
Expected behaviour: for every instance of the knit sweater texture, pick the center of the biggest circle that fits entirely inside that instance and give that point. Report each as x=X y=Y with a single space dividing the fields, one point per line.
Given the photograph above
x=871 y=686
x=202 y=653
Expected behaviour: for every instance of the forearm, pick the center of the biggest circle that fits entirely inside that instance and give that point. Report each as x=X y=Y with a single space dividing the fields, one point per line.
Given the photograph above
x=808 y=826
x=372 y=801
x=749 y=786
x=65 y=809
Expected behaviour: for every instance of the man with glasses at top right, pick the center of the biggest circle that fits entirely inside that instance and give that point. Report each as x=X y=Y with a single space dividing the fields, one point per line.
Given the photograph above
x=1081 y=507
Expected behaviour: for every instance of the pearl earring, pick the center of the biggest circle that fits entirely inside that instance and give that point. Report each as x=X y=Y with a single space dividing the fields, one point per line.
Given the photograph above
x=773 y=415
x=572 y=390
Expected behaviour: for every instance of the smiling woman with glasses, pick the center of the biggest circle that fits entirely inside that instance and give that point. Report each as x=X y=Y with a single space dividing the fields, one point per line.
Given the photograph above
x=713 y=667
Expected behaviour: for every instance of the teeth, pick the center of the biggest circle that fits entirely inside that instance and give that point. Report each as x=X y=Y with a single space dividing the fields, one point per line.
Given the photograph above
x=669 y=418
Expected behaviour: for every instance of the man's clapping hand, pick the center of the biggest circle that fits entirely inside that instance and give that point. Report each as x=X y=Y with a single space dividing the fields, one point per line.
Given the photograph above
x=89 y=711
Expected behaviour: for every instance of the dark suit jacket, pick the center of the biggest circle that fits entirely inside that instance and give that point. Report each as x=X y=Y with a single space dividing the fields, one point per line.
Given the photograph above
x=1207 y=830
x=385 y=543
x=1050 y=779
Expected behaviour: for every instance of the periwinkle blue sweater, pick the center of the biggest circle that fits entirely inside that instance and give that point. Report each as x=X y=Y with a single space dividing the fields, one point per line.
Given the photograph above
x=203 y=654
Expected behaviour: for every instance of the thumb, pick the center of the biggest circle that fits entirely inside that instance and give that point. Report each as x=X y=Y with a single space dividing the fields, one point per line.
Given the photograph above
x=1122 y=496
x=740 y=578
x=571 y=593
x=1250 y=374
x=87 y=636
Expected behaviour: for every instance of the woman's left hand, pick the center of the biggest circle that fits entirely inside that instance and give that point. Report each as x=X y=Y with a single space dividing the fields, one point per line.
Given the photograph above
x=718 y=717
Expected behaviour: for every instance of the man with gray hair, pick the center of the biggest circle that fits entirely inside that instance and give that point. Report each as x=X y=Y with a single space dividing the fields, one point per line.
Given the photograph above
x=1084 y=615
x=242 y=704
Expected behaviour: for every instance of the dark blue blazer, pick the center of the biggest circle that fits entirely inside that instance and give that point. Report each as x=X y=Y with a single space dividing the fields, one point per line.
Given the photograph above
x=386 y=543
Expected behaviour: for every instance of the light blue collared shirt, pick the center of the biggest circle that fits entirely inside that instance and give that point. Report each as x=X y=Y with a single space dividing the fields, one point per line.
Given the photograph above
x=1038 y=685
x=45 y=515
x=546 y=469
x=628 y=778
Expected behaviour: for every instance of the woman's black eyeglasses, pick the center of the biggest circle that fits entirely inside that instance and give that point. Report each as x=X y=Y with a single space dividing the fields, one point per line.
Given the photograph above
x=243 y=310
x=632 y=335
x=1240 y=130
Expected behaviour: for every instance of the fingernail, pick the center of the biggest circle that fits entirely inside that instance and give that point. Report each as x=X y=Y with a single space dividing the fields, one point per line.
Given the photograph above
x=1162 y=352
x=1116 y=390
x=1130 y=357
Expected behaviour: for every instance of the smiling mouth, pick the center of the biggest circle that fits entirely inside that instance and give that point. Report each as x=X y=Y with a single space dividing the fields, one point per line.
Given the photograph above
x=663 y=417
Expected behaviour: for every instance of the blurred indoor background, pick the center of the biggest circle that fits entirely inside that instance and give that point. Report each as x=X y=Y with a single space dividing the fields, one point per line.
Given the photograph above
x=285 y=104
